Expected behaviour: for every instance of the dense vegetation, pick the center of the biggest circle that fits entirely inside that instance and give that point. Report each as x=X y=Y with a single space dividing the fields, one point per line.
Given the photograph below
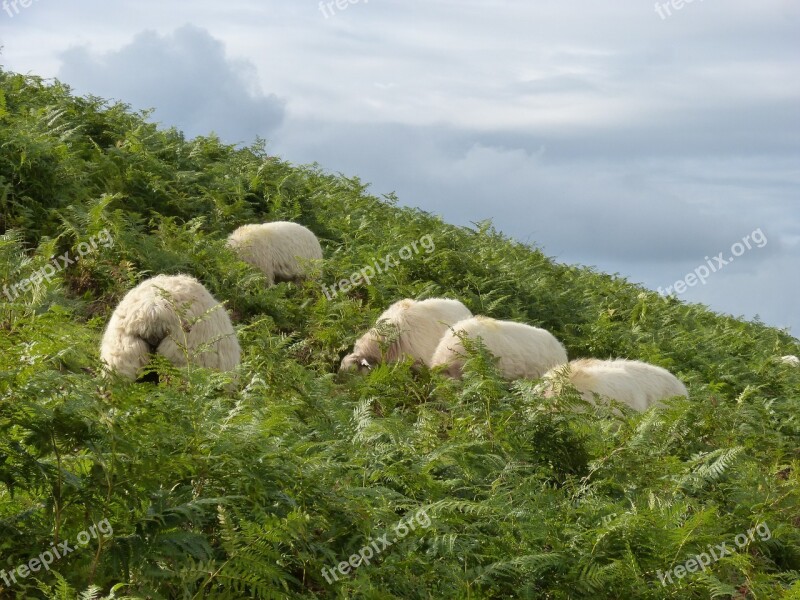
x=251 y=493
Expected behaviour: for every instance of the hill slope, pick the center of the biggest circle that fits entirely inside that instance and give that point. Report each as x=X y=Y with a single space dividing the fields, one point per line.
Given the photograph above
x=475 y=489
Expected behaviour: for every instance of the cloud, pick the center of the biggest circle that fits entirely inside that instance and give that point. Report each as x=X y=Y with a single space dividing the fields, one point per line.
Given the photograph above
x=653 y=218
x=186 y=77
x=605 y=134
x=653 y=208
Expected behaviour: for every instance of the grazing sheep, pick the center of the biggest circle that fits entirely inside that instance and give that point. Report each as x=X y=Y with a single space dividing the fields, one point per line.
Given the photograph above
x=419 y=325
x=280 y=249
x=170 y=315
x=790 y=360
x=632 y=382
x=523 y=351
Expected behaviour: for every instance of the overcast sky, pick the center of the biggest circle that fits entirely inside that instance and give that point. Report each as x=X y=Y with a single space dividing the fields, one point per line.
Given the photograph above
x=627 y=135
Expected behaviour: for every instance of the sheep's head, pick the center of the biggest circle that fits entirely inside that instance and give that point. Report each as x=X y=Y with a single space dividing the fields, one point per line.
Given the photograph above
x=555 y=382
x=546 y=389
x=355 y=362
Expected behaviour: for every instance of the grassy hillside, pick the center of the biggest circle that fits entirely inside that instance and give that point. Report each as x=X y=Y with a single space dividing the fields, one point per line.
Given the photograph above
x=473 y=489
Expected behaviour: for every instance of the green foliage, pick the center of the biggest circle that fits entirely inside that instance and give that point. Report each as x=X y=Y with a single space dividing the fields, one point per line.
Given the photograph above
x=216 y=493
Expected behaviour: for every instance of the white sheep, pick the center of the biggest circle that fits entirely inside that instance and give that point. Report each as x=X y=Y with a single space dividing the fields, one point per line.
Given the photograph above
x=416 y=325
x=632 y=382
x=281 y=250
x=790 y=359
x=172 y=315
x=523 y=351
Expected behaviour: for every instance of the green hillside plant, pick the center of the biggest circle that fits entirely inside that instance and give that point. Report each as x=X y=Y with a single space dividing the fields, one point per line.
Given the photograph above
x=215 y=493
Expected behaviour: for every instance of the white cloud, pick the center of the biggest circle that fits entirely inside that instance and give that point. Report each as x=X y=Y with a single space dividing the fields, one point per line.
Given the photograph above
x=186 y=77
x=606 y=134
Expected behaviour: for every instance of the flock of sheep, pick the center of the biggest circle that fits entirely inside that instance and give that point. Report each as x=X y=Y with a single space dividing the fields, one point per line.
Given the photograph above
x=432 y=332
x=176 y=317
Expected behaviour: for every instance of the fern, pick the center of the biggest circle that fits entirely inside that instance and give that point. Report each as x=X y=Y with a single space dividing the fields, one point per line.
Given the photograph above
x=251 y=492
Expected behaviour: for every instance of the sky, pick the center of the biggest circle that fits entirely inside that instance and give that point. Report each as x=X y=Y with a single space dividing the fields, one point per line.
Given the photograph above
x=656 y=140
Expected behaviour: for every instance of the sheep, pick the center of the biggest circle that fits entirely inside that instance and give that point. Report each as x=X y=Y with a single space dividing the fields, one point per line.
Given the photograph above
x=170 y=315
x=632 y=382
x=790 y=360
x=418 y=325
x=281 y=250
x=523 y=351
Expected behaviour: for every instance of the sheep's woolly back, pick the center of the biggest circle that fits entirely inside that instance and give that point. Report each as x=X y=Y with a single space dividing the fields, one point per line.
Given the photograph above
x=281 y=250
x=418 y=325
x=522 y=351
x=632 y=382
x=790 y=360
x=172 y=315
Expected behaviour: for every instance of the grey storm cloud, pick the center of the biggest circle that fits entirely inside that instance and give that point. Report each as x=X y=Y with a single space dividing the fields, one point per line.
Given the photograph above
x=186 y=77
